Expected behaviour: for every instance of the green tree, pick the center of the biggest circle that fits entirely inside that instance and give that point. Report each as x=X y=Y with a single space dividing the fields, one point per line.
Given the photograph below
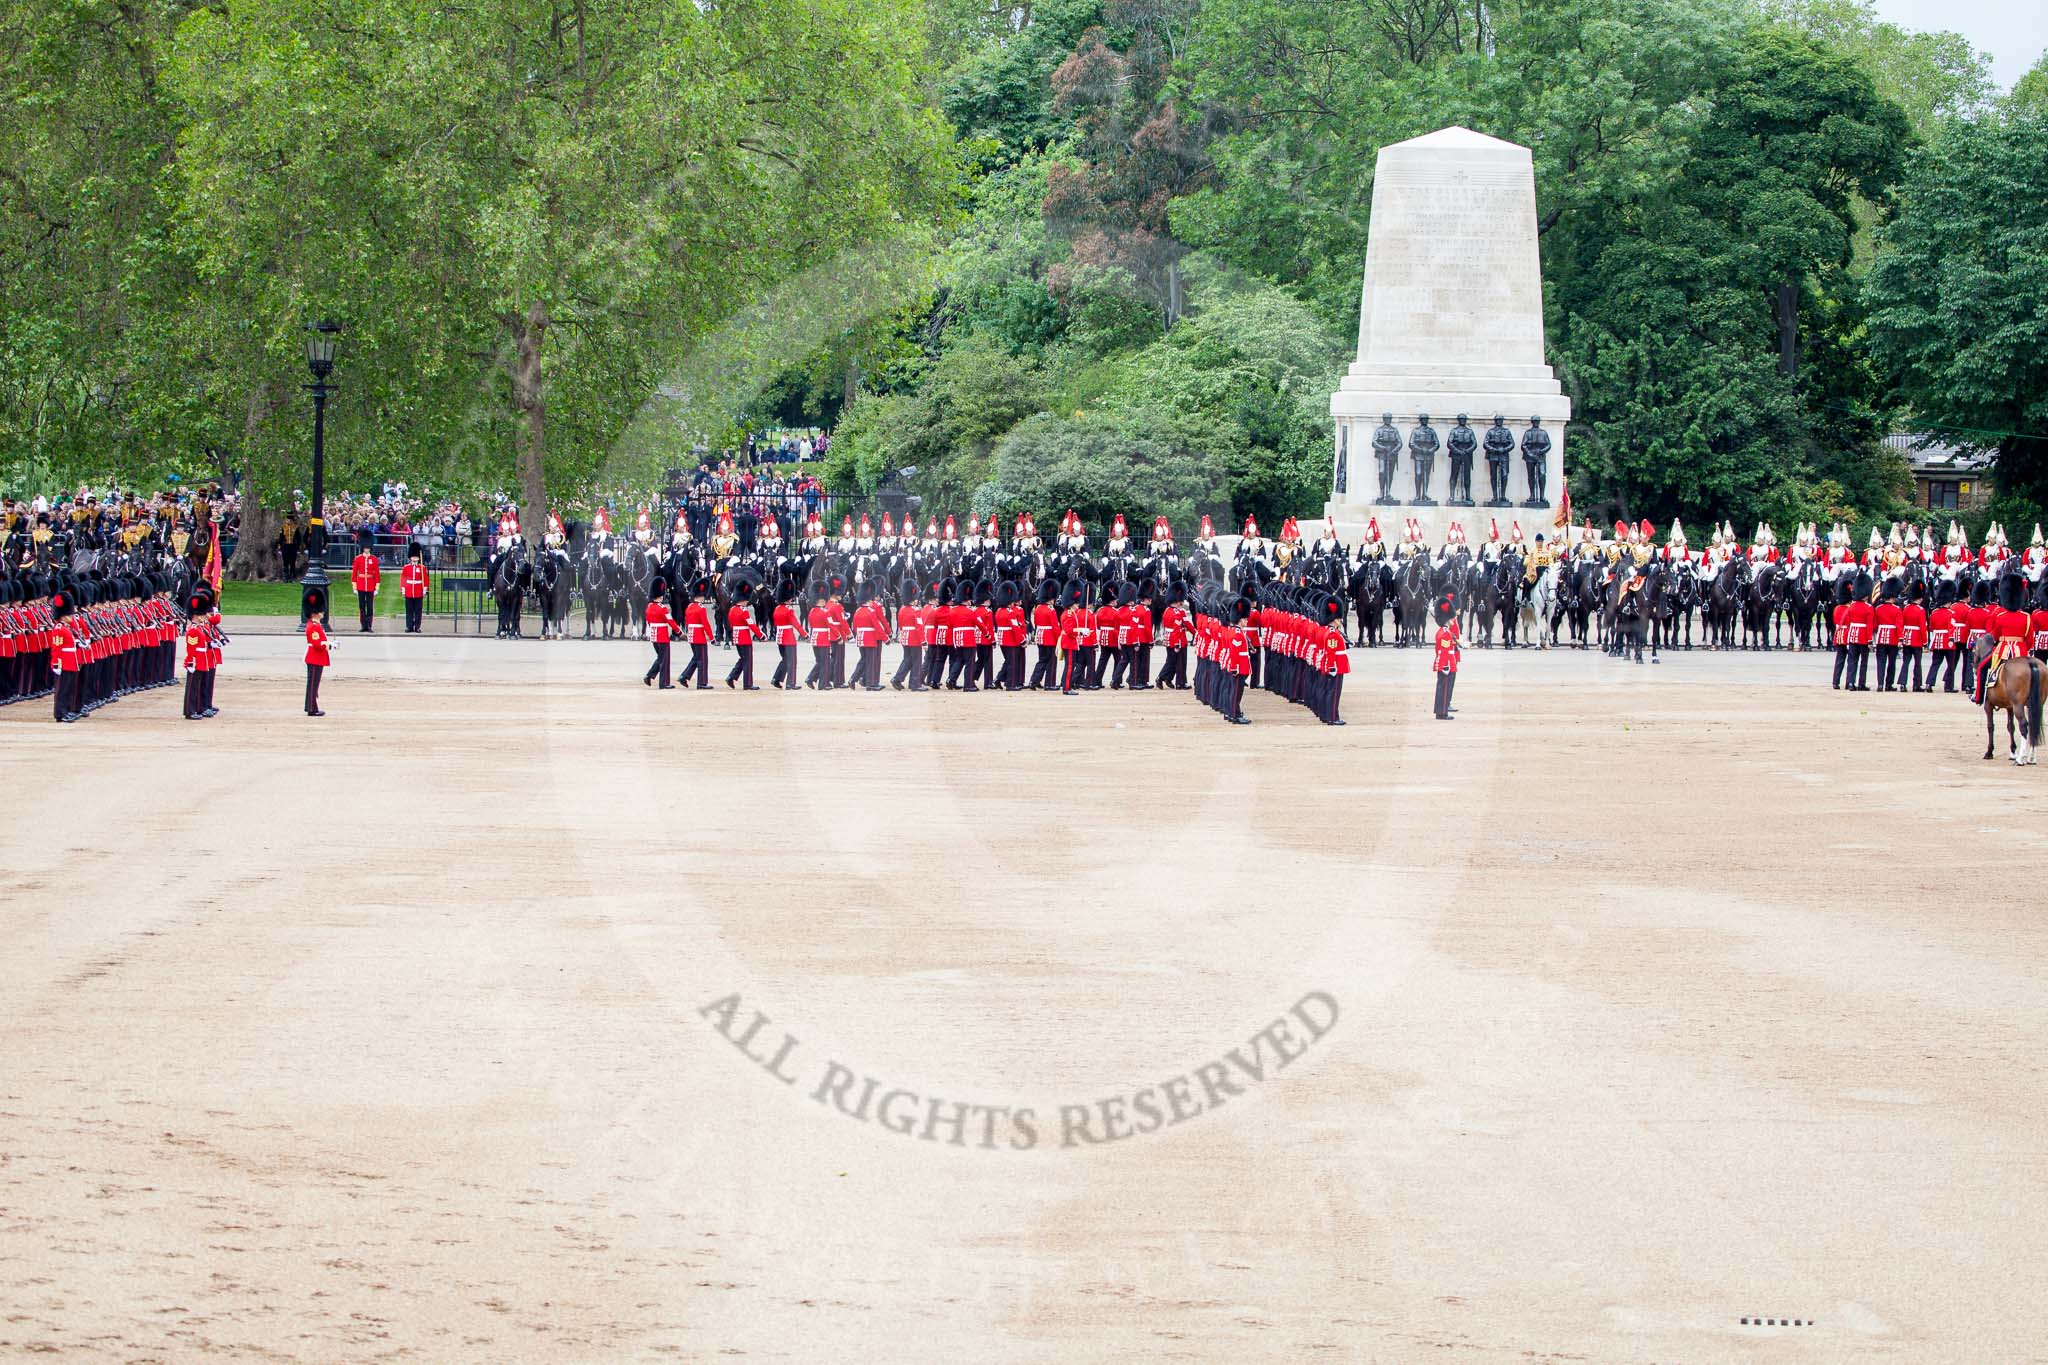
x=1959 y=298
x=537 y=207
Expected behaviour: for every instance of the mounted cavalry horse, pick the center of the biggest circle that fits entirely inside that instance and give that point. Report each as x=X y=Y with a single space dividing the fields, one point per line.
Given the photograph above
x=2016 y=686
x=1371 y=587
x=511 y=579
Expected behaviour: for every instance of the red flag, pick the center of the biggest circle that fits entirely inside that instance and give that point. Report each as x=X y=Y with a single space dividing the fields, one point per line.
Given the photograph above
x=1564 y=502
x=213 y=559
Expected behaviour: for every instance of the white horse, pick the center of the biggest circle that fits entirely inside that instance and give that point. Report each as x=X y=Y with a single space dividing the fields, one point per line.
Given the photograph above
x=1539 y=604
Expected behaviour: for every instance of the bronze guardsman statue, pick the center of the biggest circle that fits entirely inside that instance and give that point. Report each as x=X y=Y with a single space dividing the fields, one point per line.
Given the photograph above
x=1462 y=443
x=1386 y=448
x=1500 y=451
x=1536 y=457
x=1422 y=448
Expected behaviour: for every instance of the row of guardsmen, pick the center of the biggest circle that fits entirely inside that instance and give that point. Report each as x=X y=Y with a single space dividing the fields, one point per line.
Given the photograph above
x=970 y=637
x=1895 y=625
x=86 y=642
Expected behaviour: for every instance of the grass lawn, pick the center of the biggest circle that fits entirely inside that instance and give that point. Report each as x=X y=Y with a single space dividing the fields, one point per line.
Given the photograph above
x=282 y=599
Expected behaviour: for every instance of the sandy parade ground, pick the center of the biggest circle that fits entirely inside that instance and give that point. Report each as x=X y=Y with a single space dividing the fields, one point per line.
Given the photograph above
x=514 y=1011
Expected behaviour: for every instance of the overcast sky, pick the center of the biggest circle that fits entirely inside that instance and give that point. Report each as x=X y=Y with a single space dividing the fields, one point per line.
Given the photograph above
x=2014 y=32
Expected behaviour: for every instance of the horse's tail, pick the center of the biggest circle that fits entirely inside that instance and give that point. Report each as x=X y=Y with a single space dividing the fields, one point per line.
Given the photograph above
x=2035 y=688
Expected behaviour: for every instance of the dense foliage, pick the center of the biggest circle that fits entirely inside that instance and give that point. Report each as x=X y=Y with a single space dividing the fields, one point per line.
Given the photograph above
x=1099 y=253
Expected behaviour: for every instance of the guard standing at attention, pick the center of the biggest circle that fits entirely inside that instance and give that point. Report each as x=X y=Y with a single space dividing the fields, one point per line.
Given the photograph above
x=365 y=575
x=316 y=662
x=1447 y=655
x=412 y=585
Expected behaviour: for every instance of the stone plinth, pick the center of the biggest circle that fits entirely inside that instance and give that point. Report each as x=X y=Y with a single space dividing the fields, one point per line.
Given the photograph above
x=1451 y=322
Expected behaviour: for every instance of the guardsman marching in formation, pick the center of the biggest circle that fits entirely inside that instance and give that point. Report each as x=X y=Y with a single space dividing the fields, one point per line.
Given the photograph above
x=660 y=629
x=789 y=633
x=697 y=633
x=741 y=618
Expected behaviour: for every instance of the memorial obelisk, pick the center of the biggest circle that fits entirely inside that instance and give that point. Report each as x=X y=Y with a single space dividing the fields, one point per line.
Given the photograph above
x=1451 y=325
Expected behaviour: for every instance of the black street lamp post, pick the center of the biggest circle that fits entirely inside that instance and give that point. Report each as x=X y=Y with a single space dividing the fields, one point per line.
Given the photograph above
x=320 y=360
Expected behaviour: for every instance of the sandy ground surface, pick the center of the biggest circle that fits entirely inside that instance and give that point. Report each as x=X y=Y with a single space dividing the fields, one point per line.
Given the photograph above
x=1664 y=998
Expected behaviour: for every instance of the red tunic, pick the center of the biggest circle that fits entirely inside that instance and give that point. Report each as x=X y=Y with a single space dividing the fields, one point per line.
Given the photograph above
x=660 y=624
x=1913 y=628
x=697 y=623
x=316 y=643
x=1447 y=649
x=1861 y=619
x=412 y=580
x=366 y=575
x=1045 y=624
x=1940 y=623
x=742 y=619
x=1888 y=618
x=786 y=629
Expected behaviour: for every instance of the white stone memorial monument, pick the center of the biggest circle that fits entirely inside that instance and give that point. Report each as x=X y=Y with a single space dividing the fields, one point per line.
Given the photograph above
x=1452 y=322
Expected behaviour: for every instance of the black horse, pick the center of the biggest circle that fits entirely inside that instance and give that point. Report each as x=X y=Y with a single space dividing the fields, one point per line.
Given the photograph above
x=1414 y=592
x=1371 y=586
x=511 y=578
x=1762 y=604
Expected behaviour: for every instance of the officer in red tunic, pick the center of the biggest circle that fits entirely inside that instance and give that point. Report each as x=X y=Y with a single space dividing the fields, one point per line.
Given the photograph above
x=365 y=575
x=661 y=626
x=741 y=618
x=412 y=585
x=1912 y=638
x=1447 y=655
x=1890 y=619
x=789 y=631
x=317 y=647
x=1838 y=619
x=697 y=632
